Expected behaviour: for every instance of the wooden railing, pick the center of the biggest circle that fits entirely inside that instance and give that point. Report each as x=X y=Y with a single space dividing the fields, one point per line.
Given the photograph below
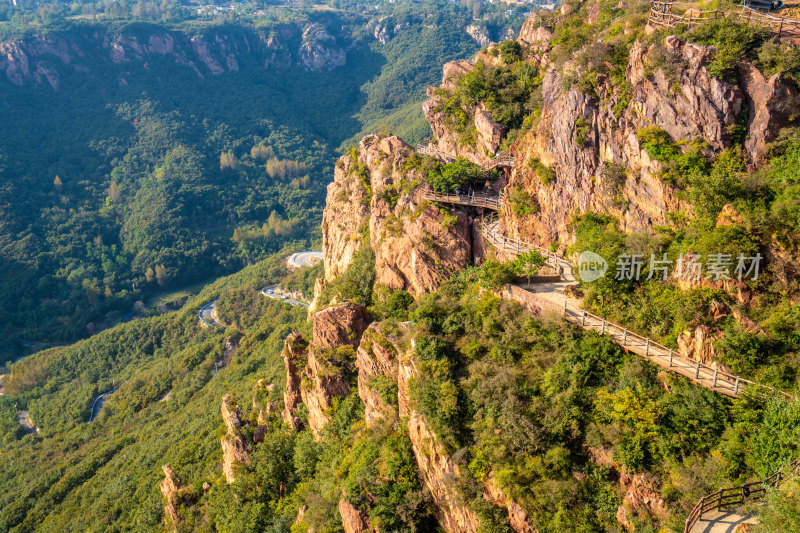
x=500 y=160
x=704 y=375
x=475 y=199
x=428 y=149
x=780 y=26
x=518 y=246
x=736 y=496
x=661 y=14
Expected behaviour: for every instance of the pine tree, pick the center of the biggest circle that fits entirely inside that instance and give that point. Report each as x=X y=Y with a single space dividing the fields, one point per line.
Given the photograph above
x=59 y=185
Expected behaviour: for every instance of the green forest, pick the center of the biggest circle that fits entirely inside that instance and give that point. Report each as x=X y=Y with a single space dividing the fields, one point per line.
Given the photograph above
x=143 y=178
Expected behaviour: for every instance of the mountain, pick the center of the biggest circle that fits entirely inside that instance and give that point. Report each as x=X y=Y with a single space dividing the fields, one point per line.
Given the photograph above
x=138 y=159
x=456 y=370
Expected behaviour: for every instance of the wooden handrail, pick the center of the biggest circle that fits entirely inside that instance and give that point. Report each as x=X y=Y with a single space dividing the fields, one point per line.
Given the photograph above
x=735 y=496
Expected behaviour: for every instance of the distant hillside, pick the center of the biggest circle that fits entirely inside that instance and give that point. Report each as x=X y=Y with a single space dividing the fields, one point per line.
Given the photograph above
x=136 y=158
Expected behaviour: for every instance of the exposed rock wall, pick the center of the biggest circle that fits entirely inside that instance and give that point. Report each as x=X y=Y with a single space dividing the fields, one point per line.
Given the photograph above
x=294 y=356
x=517 y=517
x=437 y=469
x=353 y=520
x=642 y=491
x=170 y=488
x=589 y=141
x=376 y=358
x=416 y=246
x=47 y=58
x=234 y=448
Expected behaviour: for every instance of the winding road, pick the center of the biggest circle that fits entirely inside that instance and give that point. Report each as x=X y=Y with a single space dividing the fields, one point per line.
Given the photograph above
x=270 y=292
x=304 y=259
x=206 y=314
x=99 y=402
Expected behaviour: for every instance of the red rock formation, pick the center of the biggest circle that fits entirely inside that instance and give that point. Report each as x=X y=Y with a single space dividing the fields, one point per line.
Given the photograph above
x=171 y=488
x=415 y=247
x=294 y=356
x=438 y=470
x=353 y=520
x=234 y=448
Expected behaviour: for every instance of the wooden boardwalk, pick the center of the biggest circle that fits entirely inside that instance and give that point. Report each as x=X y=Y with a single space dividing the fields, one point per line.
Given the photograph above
x=552 y=298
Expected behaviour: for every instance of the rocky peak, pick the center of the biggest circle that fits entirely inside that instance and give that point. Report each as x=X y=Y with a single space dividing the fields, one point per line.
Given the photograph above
x=377 y=190
x=294 y=356
x=234 y=448
x=174 y=493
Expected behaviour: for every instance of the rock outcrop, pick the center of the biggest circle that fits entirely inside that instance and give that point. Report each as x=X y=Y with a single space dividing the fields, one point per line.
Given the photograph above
x=171 y=489
x=46 y=58
x=337 y=331
x=235 y=450
x=353 y=520
x=584 y=155
x=642 y=491
x=376 y=359
x=294 y=356
x=517 y=517
x=318 y=372
x=438 y=470
x=415 y=244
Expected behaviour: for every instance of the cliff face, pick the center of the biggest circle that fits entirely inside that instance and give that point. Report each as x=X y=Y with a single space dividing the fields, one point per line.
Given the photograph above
x=234 y=448
x=376 y=359
x=171 y=490
x=589 y=141
x=438 y=470
x=48 y=58
x=416 y=245
x=319 y=371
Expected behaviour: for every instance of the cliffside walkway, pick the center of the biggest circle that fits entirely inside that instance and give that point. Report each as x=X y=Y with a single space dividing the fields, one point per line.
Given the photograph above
x=663 y=14
x=475 y=199
x=713 y=513
x=551 y=296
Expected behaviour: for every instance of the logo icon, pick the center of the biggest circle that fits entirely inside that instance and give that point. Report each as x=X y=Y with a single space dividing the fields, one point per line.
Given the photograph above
x=591 y=266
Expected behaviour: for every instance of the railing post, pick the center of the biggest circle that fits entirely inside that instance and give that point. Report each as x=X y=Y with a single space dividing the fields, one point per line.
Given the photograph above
x=565 y=307
x=736 y=386
x=624 y=336
x=647 y=347
x=697 y=372
x=602 y=326
x=583 y=318
x=716 y=369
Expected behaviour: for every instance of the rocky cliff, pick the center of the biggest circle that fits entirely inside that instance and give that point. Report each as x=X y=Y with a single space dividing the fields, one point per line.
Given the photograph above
x=438 y=470
x=583 y=153
x=319 y=371
x=376 y=359
x=47 y=58
x=235 y=450
x=171 y=489
x=376 y=193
